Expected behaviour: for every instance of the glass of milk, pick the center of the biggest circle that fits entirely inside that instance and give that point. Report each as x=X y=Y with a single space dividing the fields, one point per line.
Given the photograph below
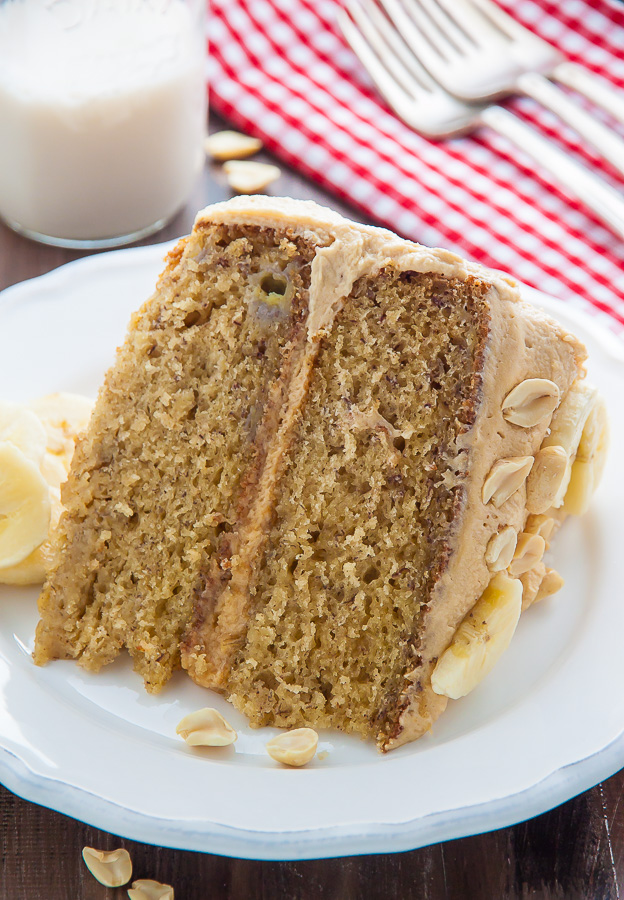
x=102 y=116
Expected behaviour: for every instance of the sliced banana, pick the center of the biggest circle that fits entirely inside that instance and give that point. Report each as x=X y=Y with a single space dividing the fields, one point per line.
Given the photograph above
x=35 y=568
x=22 y=428
x=589 y=463
x=36 y=447
x=53 y=469
x=567 y=427
x=32 y=570
x=24 y=505
x=481 y=639
x=63 y=416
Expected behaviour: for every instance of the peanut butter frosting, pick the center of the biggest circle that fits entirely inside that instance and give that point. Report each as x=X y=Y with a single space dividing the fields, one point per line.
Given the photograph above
x=523 y=343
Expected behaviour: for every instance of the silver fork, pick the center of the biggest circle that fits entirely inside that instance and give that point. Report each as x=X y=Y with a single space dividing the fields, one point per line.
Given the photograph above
x=477 y=53
x=536 y=55
x=430 y=110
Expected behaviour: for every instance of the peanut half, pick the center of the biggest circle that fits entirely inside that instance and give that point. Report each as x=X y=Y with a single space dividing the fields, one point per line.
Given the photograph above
x=147 y=889
x=530 y=402
x=206 y=728
x=294 y=748
x=112 y=868
x=539 y=583
x=223 y=145
x=531 y=581
x=529 y=551
x=546 y=478
x=541 y=524
x=247 y=177
x=549 y=585
x=500 y=549
x=505 y=477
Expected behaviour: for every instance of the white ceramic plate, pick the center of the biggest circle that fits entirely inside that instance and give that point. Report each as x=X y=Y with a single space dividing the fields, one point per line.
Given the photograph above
x=546 y=725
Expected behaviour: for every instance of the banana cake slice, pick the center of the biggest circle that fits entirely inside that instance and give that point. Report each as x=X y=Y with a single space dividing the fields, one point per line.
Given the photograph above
x=321 y=474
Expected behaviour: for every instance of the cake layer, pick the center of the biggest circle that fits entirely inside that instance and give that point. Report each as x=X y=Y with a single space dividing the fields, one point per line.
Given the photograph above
x=347 y=632
x=366 y=506
x=173 y=448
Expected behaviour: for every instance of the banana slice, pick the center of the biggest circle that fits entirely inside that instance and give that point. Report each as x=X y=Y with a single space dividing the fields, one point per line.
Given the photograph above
x=54 y=469
x=32 y=570
x=63 y=416
x=588 y=466
x=481 y=639
x=567 y=427
x=22 y=428
x=24 y=505
x=35 y=568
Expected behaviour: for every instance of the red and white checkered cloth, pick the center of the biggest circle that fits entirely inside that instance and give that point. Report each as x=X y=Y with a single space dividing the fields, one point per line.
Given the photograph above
x=280 y=70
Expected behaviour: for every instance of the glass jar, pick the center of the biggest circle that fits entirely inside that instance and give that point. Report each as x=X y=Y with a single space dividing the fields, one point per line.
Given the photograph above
x=102 y=116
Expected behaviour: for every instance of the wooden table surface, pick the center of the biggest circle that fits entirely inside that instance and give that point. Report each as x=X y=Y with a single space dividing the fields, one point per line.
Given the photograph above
x=575 y=851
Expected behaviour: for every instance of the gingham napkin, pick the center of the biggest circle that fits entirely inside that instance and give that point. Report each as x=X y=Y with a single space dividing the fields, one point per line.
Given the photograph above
x=280 y=70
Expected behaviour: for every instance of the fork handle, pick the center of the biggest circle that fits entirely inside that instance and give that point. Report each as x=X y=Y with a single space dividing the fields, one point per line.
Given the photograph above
x=595 y=133
x=578 y=181
x=591 y=86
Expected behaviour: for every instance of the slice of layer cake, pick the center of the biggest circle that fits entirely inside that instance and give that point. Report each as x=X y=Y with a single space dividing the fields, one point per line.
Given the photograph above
x=321 y=474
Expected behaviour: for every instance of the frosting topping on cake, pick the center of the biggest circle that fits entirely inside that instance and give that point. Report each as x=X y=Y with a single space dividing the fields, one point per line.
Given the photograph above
x=518 y=349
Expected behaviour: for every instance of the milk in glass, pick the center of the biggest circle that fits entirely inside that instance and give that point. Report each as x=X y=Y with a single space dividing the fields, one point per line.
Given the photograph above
x=102 y=116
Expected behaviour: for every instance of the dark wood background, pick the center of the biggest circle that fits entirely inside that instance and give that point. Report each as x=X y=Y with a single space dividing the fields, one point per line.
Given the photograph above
x=575 y=852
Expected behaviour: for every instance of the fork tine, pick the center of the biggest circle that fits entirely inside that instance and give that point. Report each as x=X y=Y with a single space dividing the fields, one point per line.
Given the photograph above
x=473 y=23
x=420 y=45
x=408 y=88
x=495 y=16
x=395 y=95
x=429 y=28
x=440 y=13
x=395 y=43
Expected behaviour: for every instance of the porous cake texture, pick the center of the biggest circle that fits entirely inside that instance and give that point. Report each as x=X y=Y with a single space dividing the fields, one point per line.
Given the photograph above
x=282 y=485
